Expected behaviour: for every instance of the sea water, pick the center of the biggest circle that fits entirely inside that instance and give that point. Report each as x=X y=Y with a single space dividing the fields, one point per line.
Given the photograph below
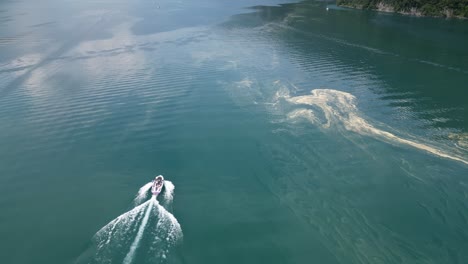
x=293 y=134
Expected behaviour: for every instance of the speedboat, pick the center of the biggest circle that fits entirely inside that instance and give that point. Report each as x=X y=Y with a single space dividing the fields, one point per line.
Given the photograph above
x=158 y=184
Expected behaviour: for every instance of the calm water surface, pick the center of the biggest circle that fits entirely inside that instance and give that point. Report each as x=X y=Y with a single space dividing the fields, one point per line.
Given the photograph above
x=292 y=134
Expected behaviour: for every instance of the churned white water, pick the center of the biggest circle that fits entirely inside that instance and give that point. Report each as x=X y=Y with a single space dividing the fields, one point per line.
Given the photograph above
x=147 y=231
x=129 y=257
x=168 y=191
x=143 y=193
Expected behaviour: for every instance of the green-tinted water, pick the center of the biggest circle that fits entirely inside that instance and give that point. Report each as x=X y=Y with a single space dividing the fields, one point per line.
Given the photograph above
x=292 y=134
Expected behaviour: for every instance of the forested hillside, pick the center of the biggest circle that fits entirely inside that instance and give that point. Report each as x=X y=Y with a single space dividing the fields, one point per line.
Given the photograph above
x=444 y=8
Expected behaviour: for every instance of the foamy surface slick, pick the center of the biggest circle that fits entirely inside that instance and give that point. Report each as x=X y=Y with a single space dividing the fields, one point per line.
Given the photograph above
x=287 y=132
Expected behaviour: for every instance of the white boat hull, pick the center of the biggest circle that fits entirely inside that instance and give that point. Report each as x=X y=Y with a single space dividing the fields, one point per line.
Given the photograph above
x=158 y=184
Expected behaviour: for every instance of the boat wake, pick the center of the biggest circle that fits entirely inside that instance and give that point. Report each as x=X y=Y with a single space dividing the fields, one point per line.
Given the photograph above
x=329 y=108
x=146 y=234
x=142 y=194
x=168 y=193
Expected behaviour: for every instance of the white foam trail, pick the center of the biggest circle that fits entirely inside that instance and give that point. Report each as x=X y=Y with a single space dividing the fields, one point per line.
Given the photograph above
x=168 y=191
x=124 y=220
x=172 y=227
x=339 y=107
x=143 y=192
x=175 y=232
x=129 y=257
x=148 y=229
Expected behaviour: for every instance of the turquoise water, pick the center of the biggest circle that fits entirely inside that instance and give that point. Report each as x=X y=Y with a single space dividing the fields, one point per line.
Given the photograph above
x=292 y=134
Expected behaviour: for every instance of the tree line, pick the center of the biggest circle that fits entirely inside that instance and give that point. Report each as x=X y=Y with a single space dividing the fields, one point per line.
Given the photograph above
x=444 y=8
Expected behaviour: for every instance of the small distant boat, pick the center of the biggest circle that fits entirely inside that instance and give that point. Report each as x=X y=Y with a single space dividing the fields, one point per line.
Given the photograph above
x=158 y=184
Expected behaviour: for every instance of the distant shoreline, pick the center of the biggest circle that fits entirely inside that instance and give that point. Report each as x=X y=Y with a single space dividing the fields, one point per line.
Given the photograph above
x=448 y=9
